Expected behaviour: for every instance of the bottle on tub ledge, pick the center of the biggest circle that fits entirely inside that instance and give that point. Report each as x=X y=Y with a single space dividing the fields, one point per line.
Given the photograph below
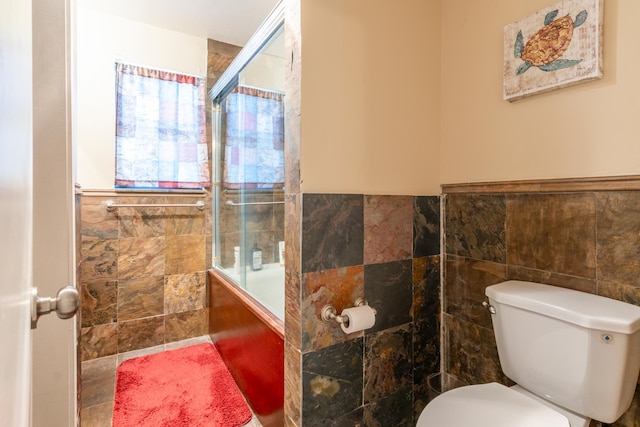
x=255 y=258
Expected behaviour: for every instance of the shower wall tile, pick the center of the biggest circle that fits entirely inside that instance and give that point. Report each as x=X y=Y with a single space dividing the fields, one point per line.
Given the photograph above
x=426 y=226
x=99 y=341
x=332 y=231
x=293 y=292
x=476 y=226
x=388 y=364
x=331 y=382
x=388 y=228
x=187 y=324
x=185 y=292
x=140 y=333
x=141 y=257
x=141 y=221
x=388 y=288
x=99 y=302
x=185 y=254
x=141 y=297
x=553 y=232
x=339 y=287
x=465 y=283
x=186 y=220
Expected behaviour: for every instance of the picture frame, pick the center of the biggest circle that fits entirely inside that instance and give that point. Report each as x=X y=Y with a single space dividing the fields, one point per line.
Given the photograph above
x=556 y=47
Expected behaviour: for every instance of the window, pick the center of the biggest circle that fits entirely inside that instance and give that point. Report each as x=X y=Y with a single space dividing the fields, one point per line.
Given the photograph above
x=254 y=143
x=161 y=139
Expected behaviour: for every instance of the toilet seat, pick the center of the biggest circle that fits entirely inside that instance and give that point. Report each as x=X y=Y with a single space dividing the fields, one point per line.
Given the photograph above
x=488 y=405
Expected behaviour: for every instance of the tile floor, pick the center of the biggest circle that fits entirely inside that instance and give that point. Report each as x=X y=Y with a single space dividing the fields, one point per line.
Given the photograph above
x=99 y=378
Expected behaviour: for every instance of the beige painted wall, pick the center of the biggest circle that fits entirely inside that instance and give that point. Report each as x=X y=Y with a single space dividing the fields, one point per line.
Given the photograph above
x=101 y=41
x=582 y=131
x=370 y=96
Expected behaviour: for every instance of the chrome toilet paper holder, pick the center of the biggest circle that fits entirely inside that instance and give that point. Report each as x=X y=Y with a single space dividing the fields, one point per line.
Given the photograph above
x=330 y=313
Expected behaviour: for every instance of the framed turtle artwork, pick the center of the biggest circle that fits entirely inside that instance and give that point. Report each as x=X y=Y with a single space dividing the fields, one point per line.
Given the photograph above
x=555 y=47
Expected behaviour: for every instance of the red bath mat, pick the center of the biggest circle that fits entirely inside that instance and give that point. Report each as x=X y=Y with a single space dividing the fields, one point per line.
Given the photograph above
x=186 y=387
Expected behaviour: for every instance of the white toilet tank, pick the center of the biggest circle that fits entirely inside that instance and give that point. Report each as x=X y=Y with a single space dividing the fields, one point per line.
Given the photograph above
x=577 y=350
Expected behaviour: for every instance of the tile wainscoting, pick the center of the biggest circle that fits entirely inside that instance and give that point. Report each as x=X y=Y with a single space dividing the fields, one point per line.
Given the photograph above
x=385 y=249
x=142 y=272
x=579 y=234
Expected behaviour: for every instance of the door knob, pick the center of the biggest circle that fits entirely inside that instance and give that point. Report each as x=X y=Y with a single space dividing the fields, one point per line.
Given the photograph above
x=65 y=304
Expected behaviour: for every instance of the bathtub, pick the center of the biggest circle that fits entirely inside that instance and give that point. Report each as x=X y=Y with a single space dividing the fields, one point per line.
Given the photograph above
x=250 y=340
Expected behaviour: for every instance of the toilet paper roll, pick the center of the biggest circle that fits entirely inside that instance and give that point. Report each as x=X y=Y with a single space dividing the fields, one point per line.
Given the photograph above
x=360 y=318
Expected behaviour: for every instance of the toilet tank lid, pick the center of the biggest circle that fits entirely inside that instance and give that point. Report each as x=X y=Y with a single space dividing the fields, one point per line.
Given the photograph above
x=580 y=308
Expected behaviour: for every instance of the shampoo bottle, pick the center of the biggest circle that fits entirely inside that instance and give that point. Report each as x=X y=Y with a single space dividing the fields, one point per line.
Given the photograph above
x=256 y=258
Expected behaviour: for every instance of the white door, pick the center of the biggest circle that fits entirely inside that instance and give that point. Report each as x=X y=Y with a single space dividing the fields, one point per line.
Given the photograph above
x=15 y=211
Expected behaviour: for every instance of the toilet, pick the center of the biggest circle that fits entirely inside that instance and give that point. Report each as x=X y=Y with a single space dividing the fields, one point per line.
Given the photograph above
x=574 y=357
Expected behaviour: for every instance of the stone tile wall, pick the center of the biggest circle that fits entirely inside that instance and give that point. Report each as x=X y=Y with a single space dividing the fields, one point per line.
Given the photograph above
x=385 y=249
x=584 y=240
x=262 y=224
x=142 y=273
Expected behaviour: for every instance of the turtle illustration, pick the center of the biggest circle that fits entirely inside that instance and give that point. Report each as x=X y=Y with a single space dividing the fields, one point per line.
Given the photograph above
x=546 y=47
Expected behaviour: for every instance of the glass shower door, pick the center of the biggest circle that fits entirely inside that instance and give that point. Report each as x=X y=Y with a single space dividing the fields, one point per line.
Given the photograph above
x=249 y=223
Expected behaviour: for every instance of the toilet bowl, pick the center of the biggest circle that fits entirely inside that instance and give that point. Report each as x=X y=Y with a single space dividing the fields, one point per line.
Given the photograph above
x=574 y=356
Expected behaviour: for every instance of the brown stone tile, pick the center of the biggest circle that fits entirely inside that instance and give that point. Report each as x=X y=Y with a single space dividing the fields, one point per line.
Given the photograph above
x=475 y=226
x=97 y=416
x=184 y=254
x=292 y=279
x=553 y=232
x=186 y=220
x=292 y=384
x=104 y=367
x=141 y=257
x=618 y=236
x=571 y=282
x=185 y=292
x=147 y=221
x=99 y=259
x=292 y=150
x=339 y=287
x=388 y=362
x=465 y=284
x=96 y=221
x=98 y=391
x=471 y=352
x=98 y=341
x=141 y=297
x=388 y=228
x=188 y=324
x=141 y=333
x=98 y=302
x=625 y=292
x=426 y=287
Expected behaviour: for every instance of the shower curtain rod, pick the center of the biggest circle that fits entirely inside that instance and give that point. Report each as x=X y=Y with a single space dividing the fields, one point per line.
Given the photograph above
x=111 y=205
